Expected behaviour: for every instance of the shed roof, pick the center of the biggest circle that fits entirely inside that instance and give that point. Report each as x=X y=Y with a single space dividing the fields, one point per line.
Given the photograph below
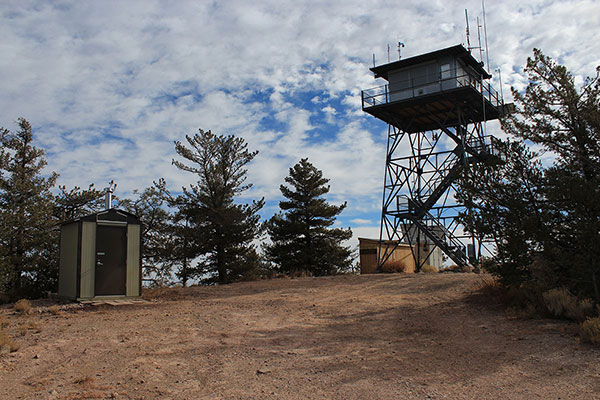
x=385 y=242
x=458 y=51
x=113 y=214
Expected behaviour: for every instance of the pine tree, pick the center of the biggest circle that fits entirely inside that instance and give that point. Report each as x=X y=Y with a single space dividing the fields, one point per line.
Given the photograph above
x=77 y=202
x=152 y=207
x=27 y=228
x=560 y=118
x=222 y=231
x=546 y=219
x=302 y=239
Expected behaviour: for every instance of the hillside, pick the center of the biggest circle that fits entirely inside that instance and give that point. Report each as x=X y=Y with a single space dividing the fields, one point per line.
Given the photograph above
x=345 y=337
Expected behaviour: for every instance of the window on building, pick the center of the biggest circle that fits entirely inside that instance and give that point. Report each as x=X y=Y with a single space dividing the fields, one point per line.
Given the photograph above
x=445 y=71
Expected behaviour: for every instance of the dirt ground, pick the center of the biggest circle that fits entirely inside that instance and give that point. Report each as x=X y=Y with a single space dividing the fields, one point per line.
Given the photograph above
x=424 y=336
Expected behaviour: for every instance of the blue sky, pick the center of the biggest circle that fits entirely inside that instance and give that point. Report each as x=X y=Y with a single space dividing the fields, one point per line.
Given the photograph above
x=109 y=85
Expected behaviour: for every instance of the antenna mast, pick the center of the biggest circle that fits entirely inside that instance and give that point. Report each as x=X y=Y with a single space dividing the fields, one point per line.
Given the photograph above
x=479 y=40
x=487 y=54
x=468 y=39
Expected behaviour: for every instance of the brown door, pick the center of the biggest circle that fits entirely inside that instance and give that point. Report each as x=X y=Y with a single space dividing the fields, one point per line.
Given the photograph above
x=111 y=267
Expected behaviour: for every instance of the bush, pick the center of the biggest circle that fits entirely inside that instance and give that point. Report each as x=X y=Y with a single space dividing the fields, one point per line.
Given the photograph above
x=301 y=274
x=491 y=289
x=34 y=326
x=23 y=306
x=429 y=269
x=6 y=343
x=590 y=331
x=393 y=266
x=562 y=304
x=455 y=268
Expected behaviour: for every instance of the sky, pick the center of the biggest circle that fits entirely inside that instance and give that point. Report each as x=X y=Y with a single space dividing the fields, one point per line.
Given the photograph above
x=108 y=86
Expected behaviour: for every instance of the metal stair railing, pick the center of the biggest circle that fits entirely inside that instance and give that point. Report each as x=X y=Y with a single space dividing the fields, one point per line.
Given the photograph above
x=440 y=235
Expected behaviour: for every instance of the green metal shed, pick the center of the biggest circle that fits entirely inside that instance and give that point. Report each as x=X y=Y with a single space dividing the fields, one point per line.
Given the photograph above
x=101 y=256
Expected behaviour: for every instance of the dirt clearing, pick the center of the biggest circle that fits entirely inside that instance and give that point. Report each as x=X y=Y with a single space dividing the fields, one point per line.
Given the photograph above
x=424 y=336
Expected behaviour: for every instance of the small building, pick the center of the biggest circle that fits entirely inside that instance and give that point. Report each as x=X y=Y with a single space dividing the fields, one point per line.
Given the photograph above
x=425 y=248
x=369 y=250
x=100 y=256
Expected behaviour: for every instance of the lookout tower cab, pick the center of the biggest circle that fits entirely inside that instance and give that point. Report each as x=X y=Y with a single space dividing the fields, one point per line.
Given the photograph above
x=422 y=91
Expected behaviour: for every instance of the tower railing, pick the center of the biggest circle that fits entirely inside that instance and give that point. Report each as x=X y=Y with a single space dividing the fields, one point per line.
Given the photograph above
x=410 y=89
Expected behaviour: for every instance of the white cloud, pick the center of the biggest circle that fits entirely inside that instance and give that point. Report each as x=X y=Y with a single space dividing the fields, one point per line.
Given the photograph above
x=108 y=86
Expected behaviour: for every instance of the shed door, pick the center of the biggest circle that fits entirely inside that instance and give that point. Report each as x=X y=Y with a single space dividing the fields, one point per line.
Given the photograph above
x=111 y=265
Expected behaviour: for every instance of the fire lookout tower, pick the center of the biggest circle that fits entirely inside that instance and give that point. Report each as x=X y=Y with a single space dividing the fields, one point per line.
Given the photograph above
x=435 y=105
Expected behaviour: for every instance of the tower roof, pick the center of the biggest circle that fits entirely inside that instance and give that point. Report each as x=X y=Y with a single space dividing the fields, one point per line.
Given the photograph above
x=458 y=51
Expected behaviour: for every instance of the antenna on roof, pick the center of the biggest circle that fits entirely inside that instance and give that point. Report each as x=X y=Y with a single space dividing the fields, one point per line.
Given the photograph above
x=373 y=60
x=400 y=46
x=487 y=54
x=467 y=31
x=388 y=53
x=479 y=40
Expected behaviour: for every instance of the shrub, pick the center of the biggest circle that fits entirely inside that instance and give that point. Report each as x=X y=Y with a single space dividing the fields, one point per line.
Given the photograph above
x=590 y=331
x=301 y=274
x=429 y=269
x=23 y=306
x=393 y=266
x=6 y=343
x=488 y=264
x=491 y=289
x=562 y=304
x=526 y=298
x=34 y=326
x=22 y=330
x=456 y=268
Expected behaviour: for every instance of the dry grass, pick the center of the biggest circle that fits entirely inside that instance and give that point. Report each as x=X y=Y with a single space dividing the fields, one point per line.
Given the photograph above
x=6 y=343
x=562 y=304
x=429 y=269
x=394 y=266
x=489 y=290
x=34 y=326
x=589 y=331
x=22 y=329
x=23 y=306
x=301 y=274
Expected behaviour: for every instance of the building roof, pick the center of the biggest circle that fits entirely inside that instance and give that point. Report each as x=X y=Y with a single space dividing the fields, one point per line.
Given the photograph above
x=377 y=241
x=113 y=214
x=458 y=51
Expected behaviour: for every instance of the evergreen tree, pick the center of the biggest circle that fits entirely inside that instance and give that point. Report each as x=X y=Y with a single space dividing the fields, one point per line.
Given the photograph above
x=152 y=207
x=223 y=231
x=554 y=212
x=302 y=239
x=505 y=203
x=565 y=121
x=77 y=202
x=27 y=227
